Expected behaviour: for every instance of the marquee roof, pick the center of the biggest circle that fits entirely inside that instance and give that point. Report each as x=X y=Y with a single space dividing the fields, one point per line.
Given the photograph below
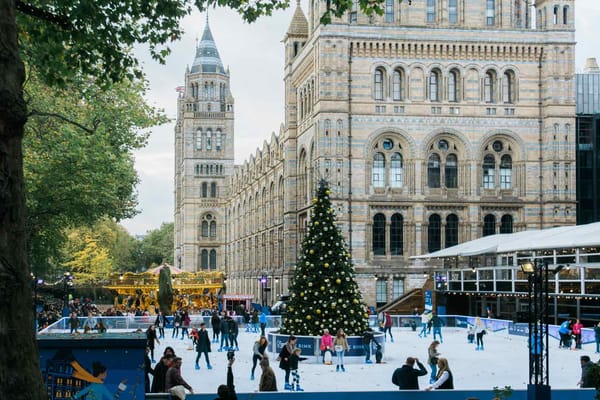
x=564 y=237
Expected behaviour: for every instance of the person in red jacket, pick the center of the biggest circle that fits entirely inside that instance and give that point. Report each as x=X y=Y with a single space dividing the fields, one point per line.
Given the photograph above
x=387 y=325
x=326 y=345
x=577 y=327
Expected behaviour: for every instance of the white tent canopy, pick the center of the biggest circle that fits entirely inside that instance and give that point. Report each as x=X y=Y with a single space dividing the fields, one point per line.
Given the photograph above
x=564 y=237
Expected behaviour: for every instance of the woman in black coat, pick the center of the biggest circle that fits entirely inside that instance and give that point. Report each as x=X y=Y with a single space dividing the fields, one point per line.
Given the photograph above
x=284 y=359
x=203 y=346
x=215 y=322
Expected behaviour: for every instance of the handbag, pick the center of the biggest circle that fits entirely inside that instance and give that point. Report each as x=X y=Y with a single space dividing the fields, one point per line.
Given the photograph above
x=338 y=348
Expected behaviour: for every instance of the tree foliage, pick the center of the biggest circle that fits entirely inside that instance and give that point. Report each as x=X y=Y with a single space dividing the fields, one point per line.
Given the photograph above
x=157 y=246
x=78 y=159
x=323 y=292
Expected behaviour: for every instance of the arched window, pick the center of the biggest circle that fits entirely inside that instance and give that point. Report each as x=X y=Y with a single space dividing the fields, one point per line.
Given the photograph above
x=452 y=11
x=208 y=139
x=397 y=235
x=489 y=225
x=379 y=235
x=378 y=82
x=396 y=173
x=398 y=85
x=378 y=174
x=204 y=190
x=433 y=171
x=213 y=259
x=434 y=87
x=213 y=189
x=489 y=171
x=431 y=11
x=451 y=230
x=453 y=86
x=213 y=229
x=218 y=140
x=451 y=171
x=490 y=12
x=508 y=87
x=489 y=87
x=506 y=224
x=389 y=10
x=506 y=172
x=199 y=139
x=434 y=237
x=204 y=229
x=204 y=259
x=197 y=169
x=565 y=15
x=555 y=15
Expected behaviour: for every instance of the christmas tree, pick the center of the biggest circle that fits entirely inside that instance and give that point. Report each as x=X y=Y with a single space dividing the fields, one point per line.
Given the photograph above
x=323 y=292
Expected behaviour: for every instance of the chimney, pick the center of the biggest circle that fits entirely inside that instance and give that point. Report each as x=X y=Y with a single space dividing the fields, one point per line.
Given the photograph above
x=591 y=66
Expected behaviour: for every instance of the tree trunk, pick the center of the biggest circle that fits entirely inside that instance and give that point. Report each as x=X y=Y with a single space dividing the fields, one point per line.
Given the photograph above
x=20 y=376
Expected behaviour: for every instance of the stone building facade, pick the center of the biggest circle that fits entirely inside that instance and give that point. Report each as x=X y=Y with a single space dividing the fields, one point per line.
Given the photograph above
x=435 y=123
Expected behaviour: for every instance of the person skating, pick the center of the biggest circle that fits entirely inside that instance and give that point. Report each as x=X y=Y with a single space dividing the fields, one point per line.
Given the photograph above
x=224 y=333
x=176 y=323
x=565 y=334
x=424 y=323
x=437 y=323
x=444 y=378
x=577 y=327
x=151 y=338
x=340 y=345
x=387 y=326
x=258 y=353
x=233 y=334
x=294 y=359
x=432 y=359
x=367 y=338
x=160 y=323
x=262 y=320
x=326 y=345
x=185 y=324
x=268 y=381
x=284 y=359
x=479 y=332
x=407 y=376
x=215 y=322
x=202 y=346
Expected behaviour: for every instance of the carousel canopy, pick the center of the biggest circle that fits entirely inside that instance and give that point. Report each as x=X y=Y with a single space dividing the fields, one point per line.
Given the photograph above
x=174 y=270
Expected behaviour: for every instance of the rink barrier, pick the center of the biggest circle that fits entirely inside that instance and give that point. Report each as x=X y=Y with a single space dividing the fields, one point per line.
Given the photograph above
x=561 y=394
x=274 y=322
x=310 y=346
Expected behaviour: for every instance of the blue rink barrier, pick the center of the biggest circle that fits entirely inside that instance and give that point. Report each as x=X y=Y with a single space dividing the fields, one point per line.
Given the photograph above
x=566 y=394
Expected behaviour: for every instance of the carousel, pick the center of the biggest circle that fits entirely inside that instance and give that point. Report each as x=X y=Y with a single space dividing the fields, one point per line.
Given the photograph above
x=194 y=291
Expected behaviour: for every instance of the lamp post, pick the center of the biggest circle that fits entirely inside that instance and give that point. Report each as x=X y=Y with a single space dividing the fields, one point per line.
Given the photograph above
x=35 y=283
x=537 y=320
x=67 y=280
x=264 y=279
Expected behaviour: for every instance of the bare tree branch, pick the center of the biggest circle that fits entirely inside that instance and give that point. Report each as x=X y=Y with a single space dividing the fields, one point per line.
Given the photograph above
x=36 y=12
x=36 y=113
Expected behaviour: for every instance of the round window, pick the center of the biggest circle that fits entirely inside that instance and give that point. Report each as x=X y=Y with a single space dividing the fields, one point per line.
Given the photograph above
x=497 y=146
x=388 y=144
x=208 y=217
x=443 y=145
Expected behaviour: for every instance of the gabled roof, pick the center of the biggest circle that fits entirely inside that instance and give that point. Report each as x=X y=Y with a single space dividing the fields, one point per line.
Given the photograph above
x=564 y=237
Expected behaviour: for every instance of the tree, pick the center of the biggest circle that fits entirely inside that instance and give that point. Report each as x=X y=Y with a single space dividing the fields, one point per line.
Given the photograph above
x=165 y=291
x=323 y=292
x=157 y=246
x=67 y=39
x=78 y=160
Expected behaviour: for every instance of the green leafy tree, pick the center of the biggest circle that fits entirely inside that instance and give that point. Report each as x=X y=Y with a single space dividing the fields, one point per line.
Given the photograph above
x=69 y=40
x=165 y=291
x=323 y=292
x=157 y=246
x=78 y=158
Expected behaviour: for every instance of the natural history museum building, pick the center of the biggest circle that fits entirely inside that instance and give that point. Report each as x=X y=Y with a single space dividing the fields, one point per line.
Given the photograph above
x=435 y=123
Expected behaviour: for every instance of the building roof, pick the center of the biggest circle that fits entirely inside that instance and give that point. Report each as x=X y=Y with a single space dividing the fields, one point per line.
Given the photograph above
x=299 y=24
x=564 y=237
x=207 y=56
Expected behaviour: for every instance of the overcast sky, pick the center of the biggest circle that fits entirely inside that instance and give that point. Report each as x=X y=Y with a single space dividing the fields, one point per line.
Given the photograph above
x=254 y=54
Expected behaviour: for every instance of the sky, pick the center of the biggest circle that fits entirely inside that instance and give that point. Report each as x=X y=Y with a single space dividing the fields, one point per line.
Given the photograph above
x=254 y=53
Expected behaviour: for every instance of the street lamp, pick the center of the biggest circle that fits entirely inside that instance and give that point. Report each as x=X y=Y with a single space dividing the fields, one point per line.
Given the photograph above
x=67 y=281
x=35 y=283
x=537 y=320
x=264 y=279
